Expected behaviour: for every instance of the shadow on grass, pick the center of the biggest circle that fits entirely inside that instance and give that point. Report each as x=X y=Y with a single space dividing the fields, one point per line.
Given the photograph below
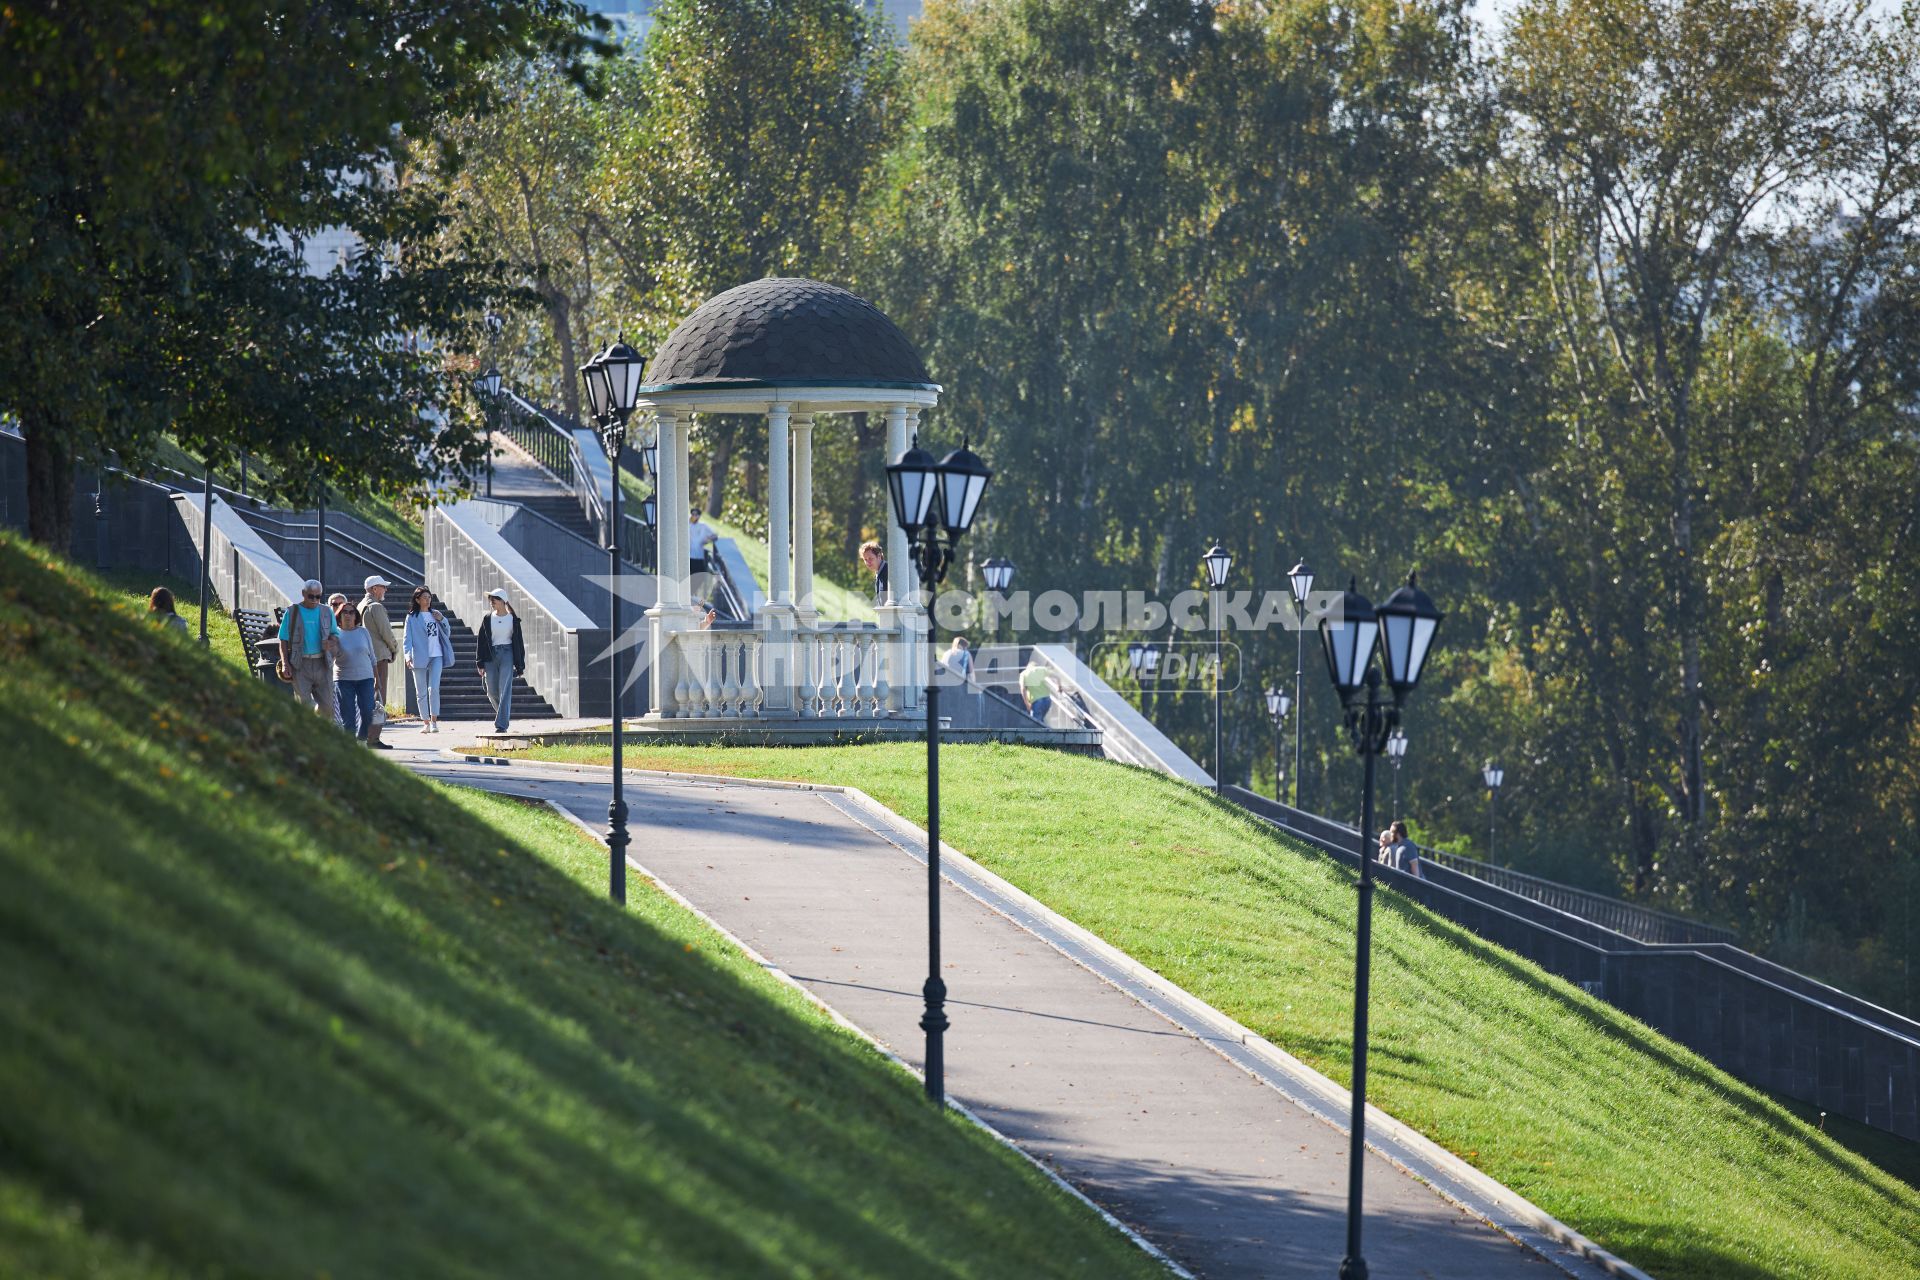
x=255 y=1027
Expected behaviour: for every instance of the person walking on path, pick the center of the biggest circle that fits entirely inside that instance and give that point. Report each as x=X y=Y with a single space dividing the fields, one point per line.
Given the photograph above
x=1038 y=690
x=959 y=658
x=870 y=556
x=1398 y=850
x=309 y=637
x=503 y=655
x=353 y=672
x=427 y=644
x=160 y=610
x=373 y=616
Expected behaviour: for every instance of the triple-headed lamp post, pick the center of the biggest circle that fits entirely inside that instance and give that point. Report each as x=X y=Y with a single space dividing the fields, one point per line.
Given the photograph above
x=613 y=384
x=1278 y=703
x=1403 y=627
x=1219 y=563
x=935 y=503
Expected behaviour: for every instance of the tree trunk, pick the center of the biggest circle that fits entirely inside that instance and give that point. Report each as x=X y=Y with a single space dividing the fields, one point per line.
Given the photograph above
x=719 y=458
x=866 y=438
x=49 y=487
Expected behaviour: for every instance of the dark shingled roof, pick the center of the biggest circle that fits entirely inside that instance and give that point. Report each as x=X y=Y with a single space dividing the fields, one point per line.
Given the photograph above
x=786 y=330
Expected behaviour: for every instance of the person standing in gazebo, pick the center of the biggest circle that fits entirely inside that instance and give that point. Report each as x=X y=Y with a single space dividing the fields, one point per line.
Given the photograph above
x=876 y=563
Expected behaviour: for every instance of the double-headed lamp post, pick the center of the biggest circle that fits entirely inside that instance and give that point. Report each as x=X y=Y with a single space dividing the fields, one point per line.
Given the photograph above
x=1403 y=627
x=1493 y=775
x=1219 y=563
x=1278 y=704
x=613 y=384
x=935 y=503
x=998 y=571
x=1396 y=752
x=488 y=385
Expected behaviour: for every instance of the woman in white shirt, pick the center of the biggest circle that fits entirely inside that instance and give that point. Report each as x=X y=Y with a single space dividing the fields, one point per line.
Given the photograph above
x=353 y=671
x=428 y=649
x=503 y=655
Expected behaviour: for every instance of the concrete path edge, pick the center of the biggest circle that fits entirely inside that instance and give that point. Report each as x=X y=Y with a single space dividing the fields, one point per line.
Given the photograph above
x=840 y=1020
x=1399 y=1144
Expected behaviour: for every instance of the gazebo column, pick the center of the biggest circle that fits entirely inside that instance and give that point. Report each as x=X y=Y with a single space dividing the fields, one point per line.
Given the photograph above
x=779 y=502
x=803 y=515
x=669 y=613
x=896 y=615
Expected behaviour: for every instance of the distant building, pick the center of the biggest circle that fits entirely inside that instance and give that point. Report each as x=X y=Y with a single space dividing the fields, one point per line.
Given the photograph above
x=633 y=17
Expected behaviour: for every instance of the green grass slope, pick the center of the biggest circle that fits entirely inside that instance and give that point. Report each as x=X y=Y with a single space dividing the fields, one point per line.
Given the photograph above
x=1640 y=1143
x=270 y=1006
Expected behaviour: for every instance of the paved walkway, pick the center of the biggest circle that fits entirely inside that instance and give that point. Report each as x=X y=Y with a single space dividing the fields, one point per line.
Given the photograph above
x=1224 y=1173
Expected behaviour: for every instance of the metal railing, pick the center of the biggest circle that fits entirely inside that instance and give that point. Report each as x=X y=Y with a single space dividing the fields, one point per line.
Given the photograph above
x=1644 y=924
x=555 y=446
x=307 y=531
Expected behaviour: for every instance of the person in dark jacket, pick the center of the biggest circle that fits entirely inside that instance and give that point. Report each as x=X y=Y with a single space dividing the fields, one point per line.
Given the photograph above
x=503 y=655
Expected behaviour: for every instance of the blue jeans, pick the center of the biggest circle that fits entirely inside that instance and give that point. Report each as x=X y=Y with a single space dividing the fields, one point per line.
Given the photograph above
x=426 y=688
x=498 y=674
x=1040 y=708
x=356 y=705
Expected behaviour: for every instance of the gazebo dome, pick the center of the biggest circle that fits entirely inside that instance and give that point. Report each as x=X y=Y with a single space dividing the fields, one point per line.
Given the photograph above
x=787 y=332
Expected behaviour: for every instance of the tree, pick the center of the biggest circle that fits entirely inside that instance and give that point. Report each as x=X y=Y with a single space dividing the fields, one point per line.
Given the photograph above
x=145 y=141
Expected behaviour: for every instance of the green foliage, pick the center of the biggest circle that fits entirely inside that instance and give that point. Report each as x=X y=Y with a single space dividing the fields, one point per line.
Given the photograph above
x=271 y=1004
x=161 y=173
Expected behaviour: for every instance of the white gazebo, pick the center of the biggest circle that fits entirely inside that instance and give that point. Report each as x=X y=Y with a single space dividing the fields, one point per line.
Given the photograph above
x=792 y=350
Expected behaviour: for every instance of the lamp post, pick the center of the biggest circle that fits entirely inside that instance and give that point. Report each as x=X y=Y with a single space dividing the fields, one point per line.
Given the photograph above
x=1493 y=775
x=613 y=383
x=1396 y=752
x=935 y=502
x=206 y=546
x=1278 y=703
x=998 y=571
x=1300 y=582
x=1404 y=628
x=488 y=385
x=1219 y=562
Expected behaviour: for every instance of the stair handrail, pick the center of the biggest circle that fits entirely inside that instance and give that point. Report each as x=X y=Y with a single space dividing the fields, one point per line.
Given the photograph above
x=382 y=560
x=554 y=444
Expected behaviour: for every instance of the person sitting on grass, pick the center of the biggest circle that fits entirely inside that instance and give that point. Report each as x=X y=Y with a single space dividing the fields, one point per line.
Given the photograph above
x=160 y=610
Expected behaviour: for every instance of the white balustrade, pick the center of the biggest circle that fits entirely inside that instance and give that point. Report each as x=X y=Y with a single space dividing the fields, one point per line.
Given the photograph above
x=739 y=673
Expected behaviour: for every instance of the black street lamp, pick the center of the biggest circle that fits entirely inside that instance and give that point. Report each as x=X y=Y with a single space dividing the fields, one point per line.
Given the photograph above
x=998 y=571
x=935 y=502
x=1396 y=752
x=1278 y=704
x=1404 y=628
x=1218 y=562
x=613 y=383
x=488 y=385
x=1493 y=775
x=1300 y=581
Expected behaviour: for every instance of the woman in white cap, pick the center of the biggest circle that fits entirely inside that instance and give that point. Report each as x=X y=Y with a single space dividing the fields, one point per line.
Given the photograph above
x=503 y=655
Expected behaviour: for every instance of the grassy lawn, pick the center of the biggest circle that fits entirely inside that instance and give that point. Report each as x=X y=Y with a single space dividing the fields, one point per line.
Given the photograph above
x=1640 y=1143
x=270 y=1006
x=223 y=635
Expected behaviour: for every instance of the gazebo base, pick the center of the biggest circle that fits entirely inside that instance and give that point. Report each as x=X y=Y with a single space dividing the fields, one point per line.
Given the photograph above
x=791 y=733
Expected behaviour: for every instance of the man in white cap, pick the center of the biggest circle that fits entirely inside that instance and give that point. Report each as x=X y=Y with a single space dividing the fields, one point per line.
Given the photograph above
x=503 y=655
x=373 y=616
x=308 y=640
